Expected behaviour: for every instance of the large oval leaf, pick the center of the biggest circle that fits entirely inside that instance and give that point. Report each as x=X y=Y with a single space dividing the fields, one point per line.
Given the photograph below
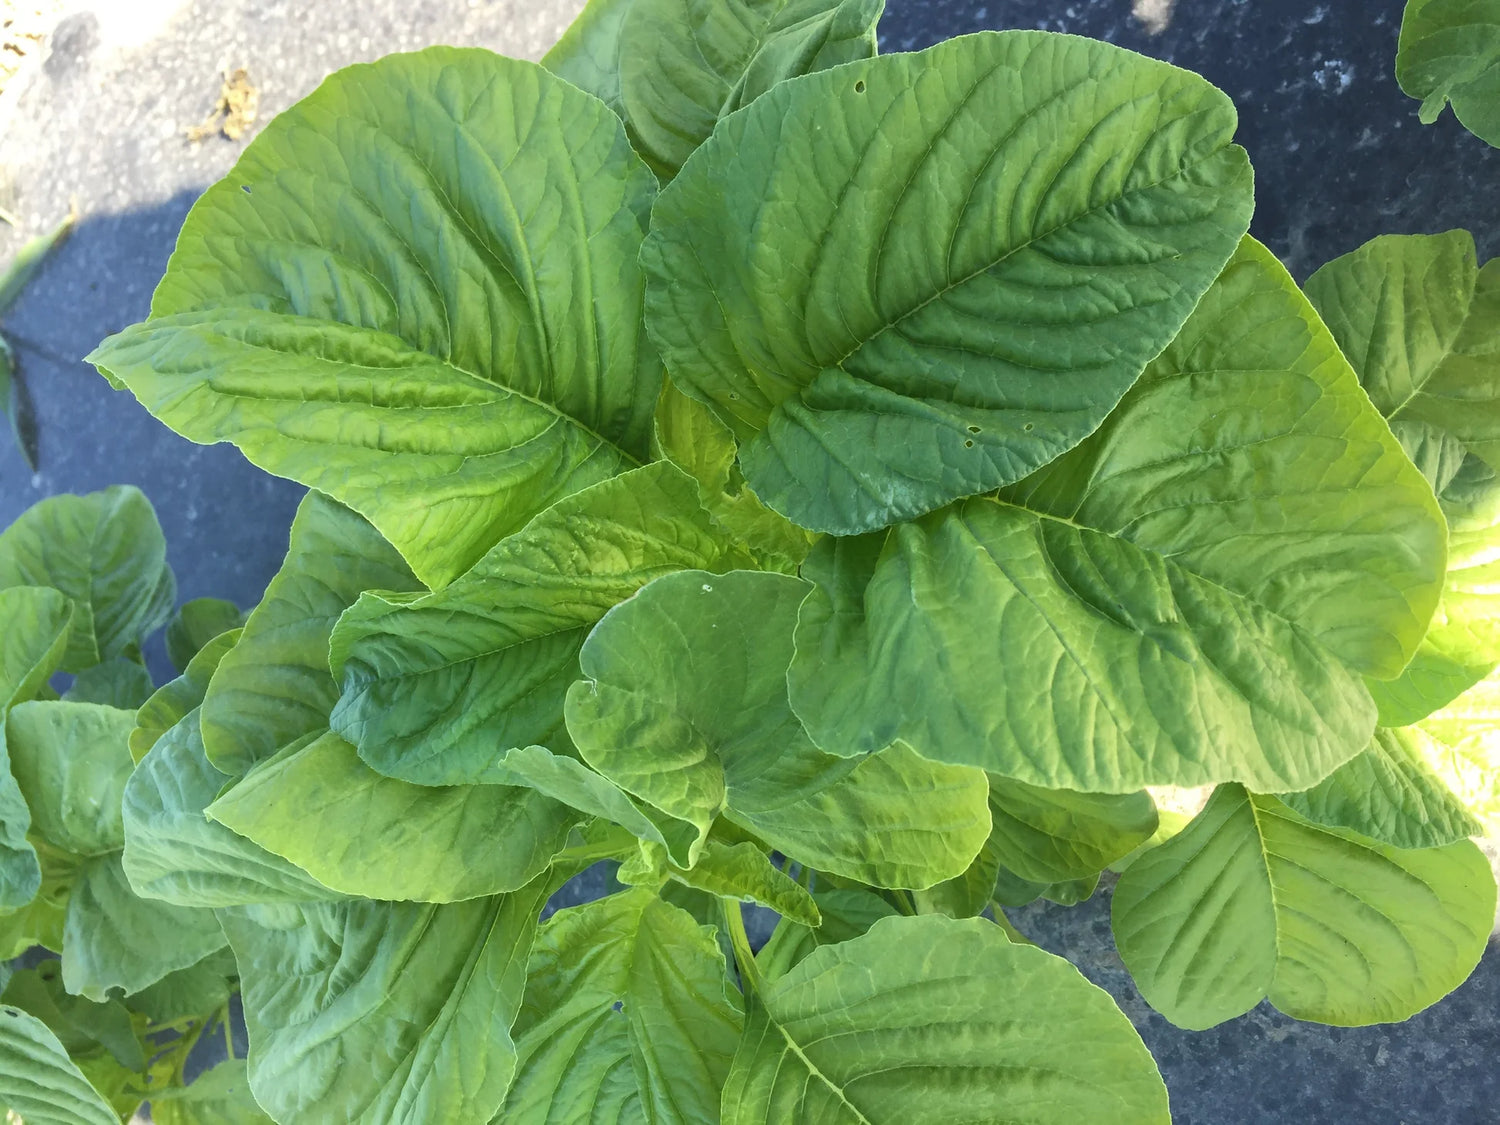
x=275 y=685
x=1450 y=52
x=402 y=1012
x=929 y=1020
x=1196 y=587
x=1251 y=902
x=71 y=761
x=437 y=687
x=106 y=552
x=685 y=707
x=922 y=276
x=416 y=291
x=39 y=1081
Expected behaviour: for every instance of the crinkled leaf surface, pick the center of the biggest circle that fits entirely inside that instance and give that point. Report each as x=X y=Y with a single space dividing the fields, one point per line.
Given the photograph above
x=662 y=1056
x=740 y=871
x=361 y=833
x=1251 y=902
x=930 y=1020
x=588 y=54
x=922 y=276
x=397 y=1014
x=417 y=291
x=437 y=687
x=1056 y=835
x=113 y=938
x=276 y=686
x=1196 y=586
x=195 y=624
x=685 y=707
x=71 y=761
x=174 y=852
x=1390 y=793
x=39 y=1082
x=1450 y=52
x=1463 y=748
x=106 y=552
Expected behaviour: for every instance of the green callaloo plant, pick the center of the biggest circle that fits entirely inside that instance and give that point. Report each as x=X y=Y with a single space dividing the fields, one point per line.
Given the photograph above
x=1449 y=53
x=129 y=985
x=850 y=485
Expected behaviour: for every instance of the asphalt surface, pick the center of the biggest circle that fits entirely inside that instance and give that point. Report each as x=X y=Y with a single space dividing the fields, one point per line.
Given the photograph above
x=1339 y=155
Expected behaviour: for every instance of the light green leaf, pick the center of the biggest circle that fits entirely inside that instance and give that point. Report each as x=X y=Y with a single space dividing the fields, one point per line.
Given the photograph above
x=1196 y=586
x=195 y=624
x=86 y=1028
x=685 y=708
x=588 y=54
x=847 y=912
x=1056 y=835
x=436 y=687
x=663 y=1057
x=39 y=1082
x=1420 y=322
x=118 y=682
x=113 y=938
x=174 y=699
x=1390 y=793
x=692 y=438
x=198 y=990
x=684 y=64
x=71 y=761
x=929 y=1020
x=1252 y=902
x=175 y=853
x=106 y=552
x=40 y=921
x=741 y=871
x=38 y=623
x=448 y=352
x=218 y=1096
x=275 y=685
x=1450 y=52
x=315 y=805
x=1463 y=748
x=402 y=1013
x=896 y=304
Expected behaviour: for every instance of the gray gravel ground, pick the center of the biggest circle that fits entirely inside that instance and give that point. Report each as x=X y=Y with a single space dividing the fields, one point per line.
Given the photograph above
x=1339 y=155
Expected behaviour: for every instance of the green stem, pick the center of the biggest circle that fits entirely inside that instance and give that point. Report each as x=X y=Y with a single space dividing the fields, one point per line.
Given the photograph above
x=1008 y=926
x=189 y=1041
x=744 y=958
x=904 y=902
x=228 y=1029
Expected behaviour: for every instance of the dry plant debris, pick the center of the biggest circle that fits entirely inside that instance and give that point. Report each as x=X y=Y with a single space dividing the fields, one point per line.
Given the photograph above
x=235 y=110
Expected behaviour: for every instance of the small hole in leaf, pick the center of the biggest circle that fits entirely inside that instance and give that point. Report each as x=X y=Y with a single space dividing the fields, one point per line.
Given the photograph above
x=859 y=87
x=1029 y=427
x=734 y=396
x=245 y=188
x=968 y=445
x=618 y=1006
x=973 y=429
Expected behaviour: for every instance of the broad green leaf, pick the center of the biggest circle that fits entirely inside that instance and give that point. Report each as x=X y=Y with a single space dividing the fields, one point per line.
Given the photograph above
x=662 y=1057
x=684 y=64
x=106 y=552
x=1420 y=322
x=316 y=804
x=692 y=438
x=195 y=624
x=588 y=54
x=84 y=1027
x=218 y=1096
x=1390 y=793
x=685 y=708
x=742 y=872
x=965 y=895
x=40 y=921
x=929 y=1020
x=197 y=990
x=71 y=761
x=175 y=853
x=113 y=938
x=895 y=303
x=39 y=1082
x=436 y=687
x=448 y=351
x=1252 y=902
x=402 y=1011
x=1056 y=835
x=847 y=912
x=174 y=699
x=118 y=682
x=1196 y=587
x=275 y=685
x=1463 y=748
x=1450 y=52
x=38 y=621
